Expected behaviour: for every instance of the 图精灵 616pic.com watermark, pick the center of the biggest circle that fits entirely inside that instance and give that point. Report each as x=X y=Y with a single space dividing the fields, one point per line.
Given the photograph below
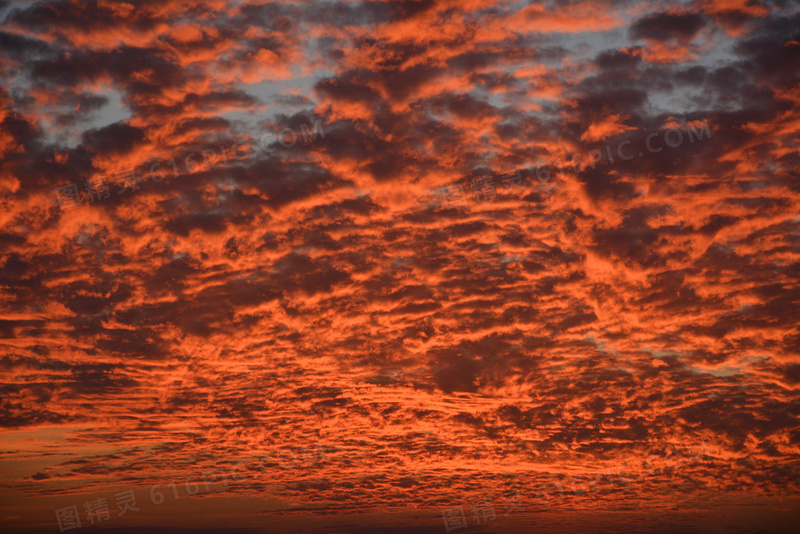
x=485 y=187
x=654 y=143
x=127 y=179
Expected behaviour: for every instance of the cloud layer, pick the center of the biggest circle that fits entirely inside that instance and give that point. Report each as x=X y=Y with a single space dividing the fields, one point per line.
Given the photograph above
x=289 y=237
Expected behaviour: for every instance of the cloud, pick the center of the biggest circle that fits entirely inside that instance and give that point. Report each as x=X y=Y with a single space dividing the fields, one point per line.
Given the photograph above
x=668 y=26
x=633 y=294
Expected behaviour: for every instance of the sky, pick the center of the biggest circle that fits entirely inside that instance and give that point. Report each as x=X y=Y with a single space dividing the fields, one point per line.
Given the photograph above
x=399 y=266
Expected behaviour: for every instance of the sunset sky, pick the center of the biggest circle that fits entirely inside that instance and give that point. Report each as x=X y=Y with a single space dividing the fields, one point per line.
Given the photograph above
x=399 y=266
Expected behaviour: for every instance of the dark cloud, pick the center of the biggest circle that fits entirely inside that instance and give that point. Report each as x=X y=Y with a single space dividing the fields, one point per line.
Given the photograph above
x=667 y=26
x=117 y=138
